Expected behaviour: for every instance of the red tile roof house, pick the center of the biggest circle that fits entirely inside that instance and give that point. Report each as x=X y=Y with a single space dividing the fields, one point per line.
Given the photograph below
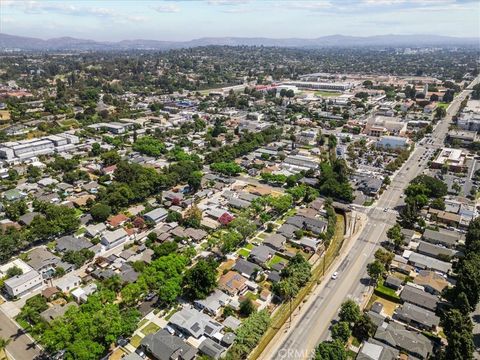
x=117 y=220
x=225 y=219
x=109 y=170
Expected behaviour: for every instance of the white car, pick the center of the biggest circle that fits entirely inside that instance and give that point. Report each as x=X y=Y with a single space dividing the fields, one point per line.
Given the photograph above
x=335 y=275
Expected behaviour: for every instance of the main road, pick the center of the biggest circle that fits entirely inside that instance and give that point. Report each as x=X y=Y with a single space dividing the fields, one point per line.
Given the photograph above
x=311 y=324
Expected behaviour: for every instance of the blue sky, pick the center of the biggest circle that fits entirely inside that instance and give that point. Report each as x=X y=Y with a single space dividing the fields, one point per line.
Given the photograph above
x=112 y=20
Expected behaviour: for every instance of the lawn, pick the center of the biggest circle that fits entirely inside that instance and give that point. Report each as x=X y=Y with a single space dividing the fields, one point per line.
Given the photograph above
x=275 y=260
x=135 y=342
x=249 y=246
x=262 y=236
x=327 y=93
x=443 y=105
x=243 y=253
x=251 y=296
x=150 y=329
x=141 y=323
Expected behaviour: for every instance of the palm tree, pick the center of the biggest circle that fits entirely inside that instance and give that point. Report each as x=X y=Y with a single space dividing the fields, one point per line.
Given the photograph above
x=3 y=344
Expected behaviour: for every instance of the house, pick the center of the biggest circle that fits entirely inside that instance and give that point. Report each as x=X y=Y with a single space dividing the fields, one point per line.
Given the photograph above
x=114 y=238
x=446 y=238
x=70 y=243
x=393 y=282
x=68 y=282
x=164 y=346
x=56 y=311
x=50 y=293
x=246 y=268
x=275 y=241
x=95 y=229
x=156 y=216
x=431 y=281
x=117 y=220
x=212 y=349
x=417 y=317
x=398 y=337
x=194 y=323
x=196 y=235
x=43 y=261
x=232 y=322
x=27 y=218
x=436 y=251
x=261 y=254
x=419 y=297
x=13 y=195
x=232 y=283
x=23 y=284
x=377 y=351
x=287 y=230
x=426 y=262
x=213 y=302
x=81 y=294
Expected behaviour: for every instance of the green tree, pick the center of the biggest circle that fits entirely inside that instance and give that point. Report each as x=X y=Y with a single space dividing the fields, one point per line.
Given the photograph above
x=395 y=235
x=200 y=279
x=330 y=350
x=341 y=331
x=247 y=307
x=349 y=312
x=375 y=270
x=100 y=212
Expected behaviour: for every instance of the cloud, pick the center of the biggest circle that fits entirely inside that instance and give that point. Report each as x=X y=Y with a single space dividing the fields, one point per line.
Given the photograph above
x=228 y=2
x=166 y=8
x=33 y=7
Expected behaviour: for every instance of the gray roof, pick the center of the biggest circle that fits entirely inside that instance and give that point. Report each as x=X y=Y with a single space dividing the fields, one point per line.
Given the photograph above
x=393 y=281
x=156 y=214
x=447 y=238
x=287 y=230
x=28 y=217
x=411 y=312
x=56 y=311
x=434 y=250
x=397 y=336
x=419 y=297
x=211 y=348
x=261 y=253
x=214 y=301
x=67 y=243
x=238 y=203
x=372 y=350
x=163 y=346
x=275 y=241
x=195 y=323
x=232 y=322
x=245 y=267
x=429 y=262
x=40 y=257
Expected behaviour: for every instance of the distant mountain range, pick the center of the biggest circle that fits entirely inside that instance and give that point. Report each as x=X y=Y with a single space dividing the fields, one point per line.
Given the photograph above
x=69 y=43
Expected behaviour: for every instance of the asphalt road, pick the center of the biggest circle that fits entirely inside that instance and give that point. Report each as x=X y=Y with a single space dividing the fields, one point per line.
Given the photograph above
x=21 y=346
x=311 y=325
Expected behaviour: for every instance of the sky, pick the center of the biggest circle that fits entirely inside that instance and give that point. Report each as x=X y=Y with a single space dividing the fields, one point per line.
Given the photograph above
x=179 y=20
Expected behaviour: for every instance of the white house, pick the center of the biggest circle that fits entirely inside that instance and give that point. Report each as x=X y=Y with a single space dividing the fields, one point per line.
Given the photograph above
x=113 y=238
x=21 y=285
x=156 y=215
x=68 y=282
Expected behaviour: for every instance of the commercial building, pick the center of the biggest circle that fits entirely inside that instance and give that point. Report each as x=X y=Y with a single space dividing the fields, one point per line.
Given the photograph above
x=385 y=125
x=335 y=86
x=25 y=150
x=393 y=142
x=454 y=159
